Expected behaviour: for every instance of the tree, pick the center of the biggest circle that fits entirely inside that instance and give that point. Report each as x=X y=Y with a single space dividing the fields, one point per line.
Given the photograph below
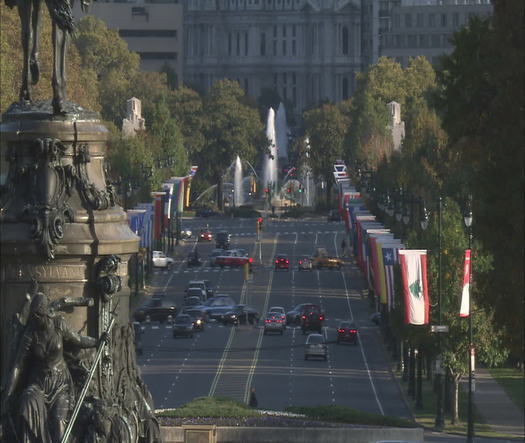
x=481 y=100
x=232 y=128
x=326 y=128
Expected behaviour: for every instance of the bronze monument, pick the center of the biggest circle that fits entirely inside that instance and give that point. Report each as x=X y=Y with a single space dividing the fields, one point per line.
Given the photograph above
x=67 y=356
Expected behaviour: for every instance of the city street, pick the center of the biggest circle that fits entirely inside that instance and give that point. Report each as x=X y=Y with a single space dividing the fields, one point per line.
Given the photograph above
x=228 y=361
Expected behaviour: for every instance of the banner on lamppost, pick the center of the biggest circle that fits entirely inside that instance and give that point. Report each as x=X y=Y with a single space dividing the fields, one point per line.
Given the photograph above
x=414 y=275
x=464 y=310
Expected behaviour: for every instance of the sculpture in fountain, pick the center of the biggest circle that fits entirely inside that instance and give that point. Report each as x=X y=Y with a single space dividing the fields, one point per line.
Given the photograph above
x=270 y=159
x=238 y=192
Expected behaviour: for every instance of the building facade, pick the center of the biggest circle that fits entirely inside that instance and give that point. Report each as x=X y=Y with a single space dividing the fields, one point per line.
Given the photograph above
x=152 y=29
x=306 y=50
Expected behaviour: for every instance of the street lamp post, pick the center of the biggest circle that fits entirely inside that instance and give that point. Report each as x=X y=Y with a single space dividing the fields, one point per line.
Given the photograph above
x=440 y=420
x=470 y=426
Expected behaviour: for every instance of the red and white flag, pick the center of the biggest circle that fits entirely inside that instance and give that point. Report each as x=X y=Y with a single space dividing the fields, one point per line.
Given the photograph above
x=414 y=275
x=464 y=310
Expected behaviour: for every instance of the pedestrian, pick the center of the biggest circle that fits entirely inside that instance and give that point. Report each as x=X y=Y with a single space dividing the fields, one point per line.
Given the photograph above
x=343 y=246
x=252 y=402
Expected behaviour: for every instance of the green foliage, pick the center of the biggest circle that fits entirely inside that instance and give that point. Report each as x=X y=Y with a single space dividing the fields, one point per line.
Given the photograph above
x=481 y=99
x=344 y=414
x=326 y=128
x=211 y=407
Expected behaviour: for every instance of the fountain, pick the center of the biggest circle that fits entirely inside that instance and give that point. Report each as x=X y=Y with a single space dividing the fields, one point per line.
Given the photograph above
x=238 y=194
x=270 y=161
x=281 y=131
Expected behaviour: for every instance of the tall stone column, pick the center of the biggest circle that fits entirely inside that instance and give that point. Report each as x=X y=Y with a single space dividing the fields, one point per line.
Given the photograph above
x=61 y=229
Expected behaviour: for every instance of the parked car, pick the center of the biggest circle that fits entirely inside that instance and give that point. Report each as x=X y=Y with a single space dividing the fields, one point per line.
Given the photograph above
x=294 y=316
x=183 y=326
x=304 y=264
x=274 y=323
x=218 y=305
x=239 y=314
x=161 y=260
x=321 y=260
x=312 y=320
x=198 y=317
x=280 y=311
x=282 y=262
x=156 y=309
x=222 y=240
x=205 y=235
x=347 y=332
x=315 y=347
x=205 y=285
x=212 y=258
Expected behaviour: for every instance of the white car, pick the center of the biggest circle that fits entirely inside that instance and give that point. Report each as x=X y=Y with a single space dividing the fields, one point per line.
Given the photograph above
x=161 y=260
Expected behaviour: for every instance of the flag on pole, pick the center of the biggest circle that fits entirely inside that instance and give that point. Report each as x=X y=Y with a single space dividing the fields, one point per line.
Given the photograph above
x=414 y=275
x=464 y=310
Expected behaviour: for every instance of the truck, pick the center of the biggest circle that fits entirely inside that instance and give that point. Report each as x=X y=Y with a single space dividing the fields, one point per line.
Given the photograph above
x=321 y=260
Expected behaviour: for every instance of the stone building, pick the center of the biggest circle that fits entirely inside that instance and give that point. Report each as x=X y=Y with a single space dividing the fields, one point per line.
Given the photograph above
x=134 y=122
x=306 y=50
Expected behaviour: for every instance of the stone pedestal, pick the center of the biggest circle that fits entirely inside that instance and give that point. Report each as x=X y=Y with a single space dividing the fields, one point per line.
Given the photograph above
x=61 y=227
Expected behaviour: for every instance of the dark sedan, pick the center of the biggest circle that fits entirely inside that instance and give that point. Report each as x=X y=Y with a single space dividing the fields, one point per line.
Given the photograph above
x=240 y=314
x=217 y=306
x=347 y=332
x=198 y=316
x=183 y=326
x=156 y=309
x=294 y=316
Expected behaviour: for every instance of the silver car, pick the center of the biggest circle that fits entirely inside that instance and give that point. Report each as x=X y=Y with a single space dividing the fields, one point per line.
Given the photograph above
x=274 y=323
x=315 y=347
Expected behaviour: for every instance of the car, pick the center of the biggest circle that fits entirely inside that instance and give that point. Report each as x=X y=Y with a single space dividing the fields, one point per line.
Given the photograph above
x=156 y=309
x=198 y=317
x=321 y=260
x=312 y=320
x=196 y=292
x=274 y=323
x=305 y=264
x=192 y=301
x=193 y=259
x=233 y=258
x=212 y=258
x=347 y=332
x=218 y=305
x=315 y=346
x=294 y=316
x=282 y=262
x=185 y=234
x=161 y=260
x=333 y=215
x=205 y=285
x=183 y=326
x=222 y=240
x=376 y=318
x=205 y=235
x=280 y=311
x=239 y=314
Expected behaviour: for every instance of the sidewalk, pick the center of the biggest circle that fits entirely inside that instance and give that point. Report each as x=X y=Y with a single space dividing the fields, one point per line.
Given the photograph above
x=496 y=407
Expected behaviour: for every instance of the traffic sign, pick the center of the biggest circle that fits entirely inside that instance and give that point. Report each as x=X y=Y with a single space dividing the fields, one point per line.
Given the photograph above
x=439 y=328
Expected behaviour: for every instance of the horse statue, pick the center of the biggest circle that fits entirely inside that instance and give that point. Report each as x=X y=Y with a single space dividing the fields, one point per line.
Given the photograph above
x=62 y=25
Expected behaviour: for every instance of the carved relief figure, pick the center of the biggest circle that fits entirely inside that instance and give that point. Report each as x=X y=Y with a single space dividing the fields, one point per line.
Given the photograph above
x=39 y=394
x=62 y=22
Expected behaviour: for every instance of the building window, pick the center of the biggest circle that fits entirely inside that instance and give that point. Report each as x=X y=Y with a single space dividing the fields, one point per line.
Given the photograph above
x=246 y=43
x=455 y=19
x=275 y=47
x=411 y=43
x=293 y=31
x=443 y=20
x=284 y=31
x=229 y=43
x=408 y=20
x=423 y=38
x=293 y=48
x=431 y=20
x=284 y=47
x=397 y=21
x=436 y=40
x=345 y=40
x=238 y=36
x=419 y=20
x=263 y=44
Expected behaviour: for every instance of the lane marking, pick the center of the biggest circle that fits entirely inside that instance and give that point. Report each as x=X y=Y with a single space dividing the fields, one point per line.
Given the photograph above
x=221 y=363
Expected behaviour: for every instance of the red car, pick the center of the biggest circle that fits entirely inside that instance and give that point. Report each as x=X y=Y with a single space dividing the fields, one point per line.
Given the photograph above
x=347 y=332
x=205 y=235
x=233 y=258
x=282 y=262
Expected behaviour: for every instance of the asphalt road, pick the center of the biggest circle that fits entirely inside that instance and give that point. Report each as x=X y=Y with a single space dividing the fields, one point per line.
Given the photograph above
x=229 y=360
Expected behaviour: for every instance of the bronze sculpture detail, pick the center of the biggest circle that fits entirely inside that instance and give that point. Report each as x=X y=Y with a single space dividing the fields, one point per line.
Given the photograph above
x=61 y=14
